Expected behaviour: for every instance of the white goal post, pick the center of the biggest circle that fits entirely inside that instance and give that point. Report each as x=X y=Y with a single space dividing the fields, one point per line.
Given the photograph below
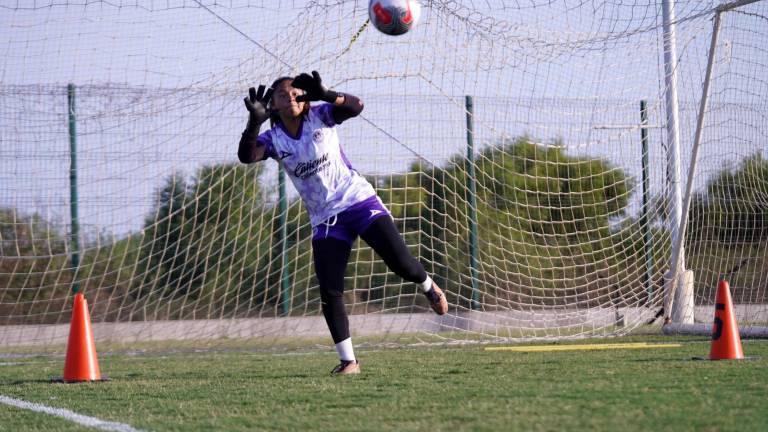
x=680 y=304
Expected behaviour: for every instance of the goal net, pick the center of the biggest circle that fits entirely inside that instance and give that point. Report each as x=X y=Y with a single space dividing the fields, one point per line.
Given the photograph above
x=522 y=147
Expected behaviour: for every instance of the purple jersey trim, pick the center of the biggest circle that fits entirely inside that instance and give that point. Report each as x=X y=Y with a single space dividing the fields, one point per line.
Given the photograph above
x=265 y=139
x=344 y=158
x=370 y=203
x=288 y=134
x=324 y=112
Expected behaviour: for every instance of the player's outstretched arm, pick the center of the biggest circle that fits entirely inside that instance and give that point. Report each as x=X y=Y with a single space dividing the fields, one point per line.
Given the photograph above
x=345 y=106
x=349 y=107
x=256 y=103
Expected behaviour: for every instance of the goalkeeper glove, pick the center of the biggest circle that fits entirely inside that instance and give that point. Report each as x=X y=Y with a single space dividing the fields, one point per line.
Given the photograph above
x=313 y=88
x=256 y=104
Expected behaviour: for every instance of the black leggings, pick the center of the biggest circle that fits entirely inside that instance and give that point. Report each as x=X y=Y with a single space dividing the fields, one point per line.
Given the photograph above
x=331 y=256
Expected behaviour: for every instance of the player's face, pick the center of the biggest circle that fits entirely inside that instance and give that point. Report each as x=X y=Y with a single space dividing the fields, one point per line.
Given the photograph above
x=284 y=100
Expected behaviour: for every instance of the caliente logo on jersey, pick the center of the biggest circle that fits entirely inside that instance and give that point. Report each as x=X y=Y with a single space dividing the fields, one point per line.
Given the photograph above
x=306 y=169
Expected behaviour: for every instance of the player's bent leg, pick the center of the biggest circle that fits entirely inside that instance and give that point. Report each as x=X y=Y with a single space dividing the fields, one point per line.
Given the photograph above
x=386 y=241
x=382 y=236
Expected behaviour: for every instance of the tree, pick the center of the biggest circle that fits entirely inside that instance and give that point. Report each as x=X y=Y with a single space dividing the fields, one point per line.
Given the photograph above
x=734 y=208
x=207 y=247
x=544 y=220
x=29 y=248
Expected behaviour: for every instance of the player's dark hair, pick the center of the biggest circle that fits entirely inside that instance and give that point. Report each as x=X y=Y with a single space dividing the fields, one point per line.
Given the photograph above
x=274 y=116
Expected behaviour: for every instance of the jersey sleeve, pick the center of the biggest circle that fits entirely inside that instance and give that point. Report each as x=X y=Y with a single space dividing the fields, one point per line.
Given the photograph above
x=324 y=113
x=265 y=139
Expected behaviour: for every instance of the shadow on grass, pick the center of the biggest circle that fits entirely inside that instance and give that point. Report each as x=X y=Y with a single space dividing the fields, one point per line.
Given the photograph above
x=660 y=359
x=51 y=380
x=24 y=382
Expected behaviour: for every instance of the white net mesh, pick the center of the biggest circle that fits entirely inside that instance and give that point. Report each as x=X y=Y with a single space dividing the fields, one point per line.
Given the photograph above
x=178 y=241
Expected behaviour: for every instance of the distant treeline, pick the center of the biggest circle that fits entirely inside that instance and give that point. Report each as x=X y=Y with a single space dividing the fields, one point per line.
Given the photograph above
x=553 y=230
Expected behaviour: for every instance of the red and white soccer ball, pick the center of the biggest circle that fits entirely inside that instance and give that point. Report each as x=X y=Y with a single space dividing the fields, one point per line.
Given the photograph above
x=394 y=17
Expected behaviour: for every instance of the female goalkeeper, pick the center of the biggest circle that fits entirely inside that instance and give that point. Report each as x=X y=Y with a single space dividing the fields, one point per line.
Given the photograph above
x=340 y=202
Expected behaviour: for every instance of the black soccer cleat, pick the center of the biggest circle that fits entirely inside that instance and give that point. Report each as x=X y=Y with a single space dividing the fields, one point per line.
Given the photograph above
x=437 y=300
x=346 y=367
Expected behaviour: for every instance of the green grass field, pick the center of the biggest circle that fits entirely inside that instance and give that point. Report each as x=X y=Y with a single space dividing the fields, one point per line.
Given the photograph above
x=448 y=388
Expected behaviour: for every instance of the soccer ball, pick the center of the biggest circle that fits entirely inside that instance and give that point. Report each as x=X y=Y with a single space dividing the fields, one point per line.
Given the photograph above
x=394 y=17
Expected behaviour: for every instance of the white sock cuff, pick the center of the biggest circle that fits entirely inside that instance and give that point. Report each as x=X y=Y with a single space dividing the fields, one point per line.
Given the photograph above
x=426 y=285
x=345 y=350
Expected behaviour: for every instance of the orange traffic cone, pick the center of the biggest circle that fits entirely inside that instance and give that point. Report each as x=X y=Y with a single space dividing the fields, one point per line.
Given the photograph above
x=726 y=343
x=81 y=363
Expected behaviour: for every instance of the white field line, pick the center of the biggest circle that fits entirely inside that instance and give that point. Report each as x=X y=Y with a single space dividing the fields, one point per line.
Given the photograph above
x=92 y=422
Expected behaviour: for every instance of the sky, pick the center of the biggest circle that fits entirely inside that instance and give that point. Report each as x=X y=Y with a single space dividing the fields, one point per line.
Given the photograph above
x=160 y=87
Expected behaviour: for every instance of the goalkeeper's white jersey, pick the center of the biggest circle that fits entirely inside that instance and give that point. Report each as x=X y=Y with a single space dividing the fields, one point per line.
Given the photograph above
x=317 y=166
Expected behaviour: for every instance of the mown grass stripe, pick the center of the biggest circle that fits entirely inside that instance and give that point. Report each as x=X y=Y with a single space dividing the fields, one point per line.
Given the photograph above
x=583 y=347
